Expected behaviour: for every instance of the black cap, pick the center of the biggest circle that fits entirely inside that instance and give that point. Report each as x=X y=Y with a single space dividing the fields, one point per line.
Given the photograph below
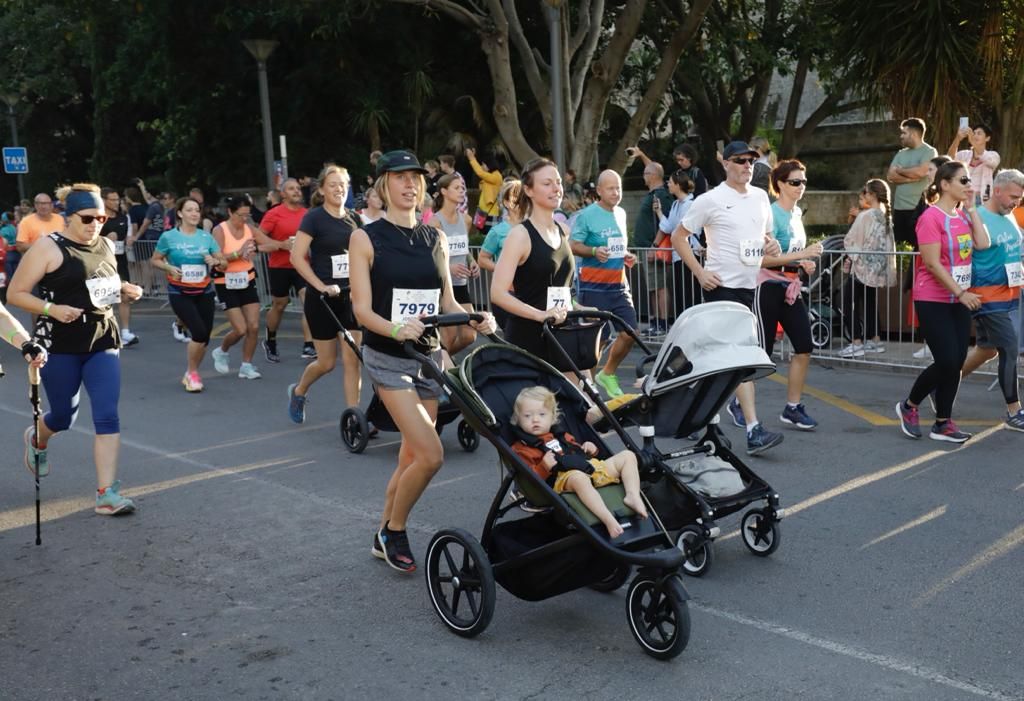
x=738 y=148
x=397 y=161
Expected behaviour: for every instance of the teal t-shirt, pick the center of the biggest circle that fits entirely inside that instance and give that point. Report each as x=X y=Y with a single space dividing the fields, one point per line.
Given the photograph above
x=907 y=195
x=595 y=227
x=788 y=228
x=495 y=239
x=9 y=232
x=186 y=249
x=989 y=267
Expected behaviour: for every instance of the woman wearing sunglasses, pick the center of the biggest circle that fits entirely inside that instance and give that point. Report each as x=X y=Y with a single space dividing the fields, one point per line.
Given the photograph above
x=947 y=233
x=77 y=276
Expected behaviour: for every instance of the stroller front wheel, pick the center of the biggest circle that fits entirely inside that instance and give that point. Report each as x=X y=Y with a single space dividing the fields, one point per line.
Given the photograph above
x=468 y=438
x=761 y=533
x=355 y=430
x=698 y=550
x=658 y=617
x=460 y=582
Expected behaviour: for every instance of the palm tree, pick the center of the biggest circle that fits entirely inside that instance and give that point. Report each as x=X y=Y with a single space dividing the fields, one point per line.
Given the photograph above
x=419 y=88
x=371 y=119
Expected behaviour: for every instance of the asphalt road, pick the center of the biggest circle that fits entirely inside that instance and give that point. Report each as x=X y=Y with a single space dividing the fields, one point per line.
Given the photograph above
x=246 y=571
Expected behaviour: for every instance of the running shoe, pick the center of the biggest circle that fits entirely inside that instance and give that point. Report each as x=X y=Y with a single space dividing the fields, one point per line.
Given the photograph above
x=395 y=545
x=128 y=339
x=854 y=350
x=610 y=384
x=248 y=371
x=308 y=351
x=35 y=455
x=377 y=550
x=736 y=412
x=924 y=354
x=1015 y=422
x=270 y=350
x=296 y=405
x=874 y=347
x=192 y=382
x=910 y=421
x=109 y=501
x=948 y=431
x=178 y=332
x=760 y=439
x=221 y=361
x=797 y=416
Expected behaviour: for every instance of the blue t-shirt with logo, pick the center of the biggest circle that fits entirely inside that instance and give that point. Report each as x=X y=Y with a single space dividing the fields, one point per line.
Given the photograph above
x=991 y=268
x=597 y=227
x=187 y=249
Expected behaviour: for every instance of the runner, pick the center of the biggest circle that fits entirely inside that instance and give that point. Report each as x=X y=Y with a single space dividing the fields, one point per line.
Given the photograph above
x=451 y=192
x=737 y=222
x=275 y=236
x=119 y=229
x=236 y=288
x=185 y=254
x=324 y=234
x=398 y=265
x=996 y=278
x=536 y=261
x=490 y=250
x=778 y=297
x=947 y=234
x=77 y=275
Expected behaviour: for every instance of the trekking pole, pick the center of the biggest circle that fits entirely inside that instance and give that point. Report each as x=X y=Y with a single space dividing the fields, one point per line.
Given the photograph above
x=33 y=382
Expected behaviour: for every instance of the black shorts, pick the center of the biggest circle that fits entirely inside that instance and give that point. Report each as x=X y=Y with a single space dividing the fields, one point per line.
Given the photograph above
x=772 y=310
x=122 y=268
x=462 y=294
x=321 y=326
x=284 y=280
x=731 y=294
x=235 y=299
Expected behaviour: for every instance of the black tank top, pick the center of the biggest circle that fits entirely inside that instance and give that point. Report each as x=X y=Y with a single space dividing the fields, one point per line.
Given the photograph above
x=87 y=279
x=545 y=267
x=330 y=237
x=404 y=259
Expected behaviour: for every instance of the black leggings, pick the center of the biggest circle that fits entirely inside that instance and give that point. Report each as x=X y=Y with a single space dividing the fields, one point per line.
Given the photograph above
x=860 y=309
x=196 y=312
x=771 y=309
x=947 y=330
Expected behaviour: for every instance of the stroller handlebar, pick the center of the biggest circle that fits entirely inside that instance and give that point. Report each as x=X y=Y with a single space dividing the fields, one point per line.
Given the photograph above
x=614 y=319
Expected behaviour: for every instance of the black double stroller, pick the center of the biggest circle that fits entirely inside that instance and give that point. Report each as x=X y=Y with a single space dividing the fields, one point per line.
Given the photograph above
x=354 y=424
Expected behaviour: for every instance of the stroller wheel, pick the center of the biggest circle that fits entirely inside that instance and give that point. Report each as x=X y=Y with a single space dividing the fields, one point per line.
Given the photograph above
x=698 y=550
x=460 y=582
x=613 y=581
x=658 y=616
x=821 y=333
x=468 y=438
x=355 y=430
x=761 y=534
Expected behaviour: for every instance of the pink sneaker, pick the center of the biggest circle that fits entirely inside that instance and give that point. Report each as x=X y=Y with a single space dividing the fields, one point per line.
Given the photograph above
x=192 y=382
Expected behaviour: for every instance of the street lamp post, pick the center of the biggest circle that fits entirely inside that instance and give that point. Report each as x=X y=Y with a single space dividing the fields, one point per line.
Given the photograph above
x=553 y=9
x=261 y=50
x=11 y=100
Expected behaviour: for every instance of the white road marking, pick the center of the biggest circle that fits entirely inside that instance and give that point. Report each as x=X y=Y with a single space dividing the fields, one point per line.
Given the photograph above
x=933 y=514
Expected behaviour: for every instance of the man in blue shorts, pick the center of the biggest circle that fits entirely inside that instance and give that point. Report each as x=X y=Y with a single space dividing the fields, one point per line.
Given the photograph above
x=599 y=239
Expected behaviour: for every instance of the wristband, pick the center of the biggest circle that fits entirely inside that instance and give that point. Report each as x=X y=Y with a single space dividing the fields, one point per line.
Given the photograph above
x=46 y=308
x=593 y=252
x=11 y=335
x=395 y=328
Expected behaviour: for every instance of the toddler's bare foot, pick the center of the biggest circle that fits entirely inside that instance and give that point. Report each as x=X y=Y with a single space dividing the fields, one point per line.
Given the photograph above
x=636 y=503
x=614 y=529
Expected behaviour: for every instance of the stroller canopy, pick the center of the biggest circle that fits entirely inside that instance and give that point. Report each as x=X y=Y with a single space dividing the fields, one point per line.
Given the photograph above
x=707 y=339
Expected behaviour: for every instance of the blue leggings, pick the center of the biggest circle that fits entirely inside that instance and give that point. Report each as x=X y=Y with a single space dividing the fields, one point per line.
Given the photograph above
x=63 y=377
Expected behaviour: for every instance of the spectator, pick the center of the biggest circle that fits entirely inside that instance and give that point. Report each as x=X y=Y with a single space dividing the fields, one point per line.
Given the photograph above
x=685 y=156
x=764 y=165
x=980 y=161
x=645 y=230
x=41 y=223
x=573 y=190
x=686 y=290
x=154 y=223
x=909 y=173
x=487 y=212
x=9 y=231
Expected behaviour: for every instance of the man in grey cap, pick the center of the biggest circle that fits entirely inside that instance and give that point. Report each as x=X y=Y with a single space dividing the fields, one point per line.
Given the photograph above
x=737 y=221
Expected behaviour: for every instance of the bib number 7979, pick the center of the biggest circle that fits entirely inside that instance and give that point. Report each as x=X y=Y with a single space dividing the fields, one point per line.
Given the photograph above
x=407 y=304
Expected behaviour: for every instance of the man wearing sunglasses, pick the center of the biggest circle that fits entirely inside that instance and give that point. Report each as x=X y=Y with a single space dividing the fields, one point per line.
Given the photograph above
x=737 y=220
x=42 y=222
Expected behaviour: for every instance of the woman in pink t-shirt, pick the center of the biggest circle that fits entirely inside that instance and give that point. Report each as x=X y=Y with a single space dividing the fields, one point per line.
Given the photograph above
x=947 y=233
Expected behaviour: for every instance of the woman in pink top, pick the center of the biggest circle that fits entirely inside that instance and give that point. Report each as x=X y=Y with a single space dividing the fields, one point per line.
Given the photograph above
x=947 y=233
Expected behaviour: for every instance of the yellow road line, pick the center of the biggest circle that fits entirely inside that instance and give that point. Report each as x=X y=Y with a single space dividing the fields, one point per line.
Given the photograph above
x=933 y=514
x=219 y=329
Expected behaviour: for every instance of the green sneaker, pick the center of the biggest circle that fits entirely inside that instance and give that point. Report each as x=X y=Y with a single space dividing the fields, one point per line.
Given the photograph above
x=610 y=384
x=34 y=455
x=109 y=501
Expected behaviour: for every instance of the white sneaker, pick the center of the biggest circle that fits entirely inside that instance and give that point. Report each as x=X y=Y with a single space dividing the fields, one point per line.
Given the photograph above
x=221 y=361
x=854 y=350
x=925 y=352
x=248 y=371
x=179 y=335
x=128 y=338
x=872 y=347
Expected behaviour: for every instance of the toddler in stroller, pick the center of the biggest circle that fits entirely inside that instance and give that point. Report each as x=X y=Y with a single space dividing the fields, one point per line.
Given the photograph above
x=568 y=466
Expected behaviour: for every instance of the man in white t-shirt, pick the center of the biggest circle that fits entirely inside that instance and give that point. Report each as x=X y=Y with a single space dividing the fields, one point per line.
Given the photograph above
x=737 y=222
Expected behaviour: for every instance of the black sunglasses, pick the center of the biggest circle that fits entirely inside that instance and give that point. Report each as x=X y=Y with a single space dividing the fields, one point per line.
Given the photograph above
x=90 y=218
x=796 y=182
x=964 y=180
x=743 y=161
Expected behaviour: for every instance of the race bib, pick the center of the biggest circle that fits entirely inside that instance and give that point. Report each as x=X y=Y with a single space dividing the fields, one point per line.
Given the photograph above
x=237 y=281
x=339 y=266
x=458 y=246
x=1015 y=274
x=553 y=445
x=407 y=304
x=193 y=273
x=751 y=252
x=962 y=275
x=118 y=248
x=795 y=246
x=616 y=247
x=559 y=298
x=104 y=291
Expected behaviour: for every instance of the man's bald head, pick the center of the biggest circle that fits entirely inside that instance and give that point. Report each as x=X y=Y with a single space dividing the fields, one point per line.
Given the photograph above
x=609 y=189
